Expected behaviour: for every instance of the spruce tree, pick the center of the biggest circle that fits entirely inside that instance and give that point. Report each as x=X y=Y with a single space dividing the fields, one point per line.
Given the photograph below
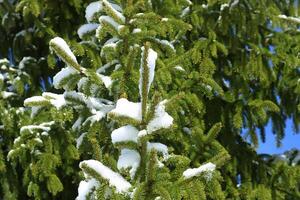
x=12 y=81
x=25 y=30
x=153 y=100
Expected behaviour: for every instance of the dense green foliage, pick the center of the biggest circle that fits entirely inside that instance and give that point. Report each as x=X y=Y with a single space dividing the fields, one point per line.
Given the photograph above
x=24 y=38
x=222 y=66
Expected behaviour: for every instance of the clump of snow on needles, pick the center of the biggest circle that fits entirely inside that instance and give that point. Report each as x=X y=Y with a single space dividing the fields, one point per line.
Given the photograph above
x=129 y=159
x=125 y=108
x=92 y=9
x=86 y=28
x=151 y=60
x=114 y=179
x=208 y=167
x=161 y=118
x=85 y=188
x=60 y=43
x=124 y=134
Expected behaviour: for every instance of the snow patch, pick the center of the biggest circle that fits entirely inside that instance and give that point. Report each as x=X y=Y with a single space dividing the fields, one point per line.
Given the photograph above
x=56 y=100
x=86 y=28
x=223 y=6
x=116 y=13
x=185 y=11
x=44 y=127
x=161 y=118
x=35 y=100
x=106 y=66
x=165 y=43
x=106 y=80
x=187 y=130
x=79 y=140
x=97 y=115
x=179 y=68
x=159 y=147
x=6 y=94
x=208 y=167
x=110 y=21
x=114 y=179
x=77 y=124
x=124 y=134
x=136 y=30
x=142 y=133
x=293 y=19
x=112 y=41
x=151 y=59
x=85 y=187
x=129 y=159
x=61 y=44
x=60 y=76
x=125 y=108
x=92 y=9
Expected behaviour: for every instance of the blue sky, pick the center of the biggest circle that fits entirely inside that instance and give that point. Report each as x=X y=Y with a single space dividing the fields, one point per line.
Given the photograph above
x=291 y=140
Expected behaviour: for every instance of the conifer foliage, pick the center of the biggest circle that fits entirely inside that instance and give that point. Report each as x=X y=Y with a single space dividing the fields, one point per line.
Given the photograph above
x=127 y=160
x=151 y=101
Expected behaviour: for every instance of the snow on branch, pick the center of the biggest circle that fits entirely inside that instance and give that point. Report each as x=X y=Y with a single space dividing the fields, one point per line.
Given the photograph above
x=124 y=134
x=125 y=108
x=147 y=69
x=86 y=28
x=96 y=7
x=42 y=127
x=85 y=187
x=114 y=179
x=62 y=49
x=106 y=80
x=129 y=159
x=47 y=98
x=57 y=100
x=159 y=147
x=110 y=10
x=208 y=167
x=92 y=9
x=110 y=21
x=292 y=19
x=36 y=101
x=5 y=94
x=161 y=118
x=64 y=74
x=103 y=68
